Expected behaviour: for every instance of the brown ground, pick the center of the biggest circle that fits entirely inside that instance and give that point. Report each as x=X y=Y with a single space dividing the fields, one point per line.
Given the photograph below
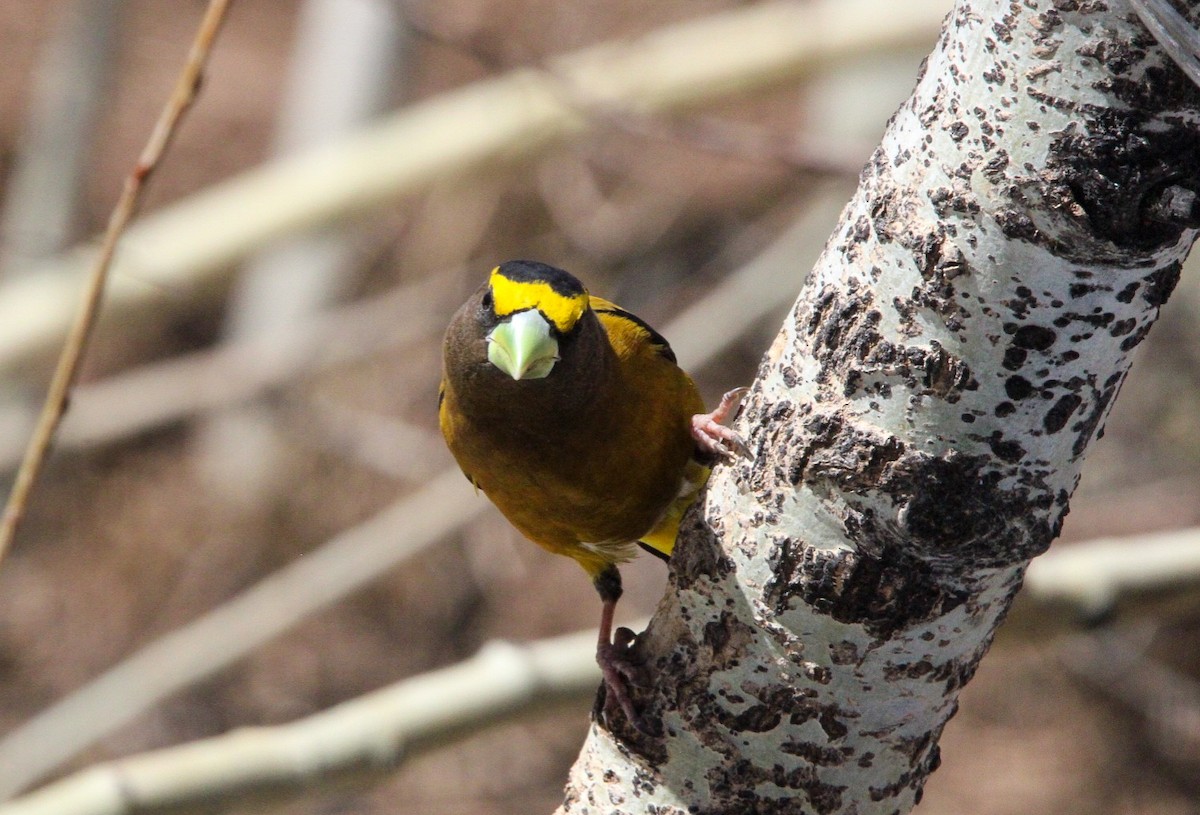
x=127 y=542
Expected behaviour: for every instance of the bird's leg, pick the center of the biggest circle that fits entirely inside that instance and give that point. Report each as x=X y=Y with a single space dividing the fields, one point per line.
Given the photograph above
x=712 y=436
x=612 y=654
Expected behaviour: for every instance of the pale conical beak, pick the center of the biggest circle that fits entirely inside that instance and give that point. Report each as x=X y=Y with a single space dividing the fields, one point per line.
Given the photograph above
x=523 y=347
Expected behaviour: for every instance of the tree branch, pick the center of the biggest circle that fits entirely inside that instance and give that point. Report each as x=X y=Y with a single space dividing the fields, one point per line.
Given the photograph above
x=1091 y=577
x=42 y=187
x=918 y=425
x=366 y=736
x=237 y=371
x=1115 y=664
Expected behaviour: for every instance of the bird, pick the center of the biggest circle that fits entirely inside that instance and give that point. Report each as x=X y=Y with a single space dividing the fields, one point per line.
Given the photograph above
x=574 y=418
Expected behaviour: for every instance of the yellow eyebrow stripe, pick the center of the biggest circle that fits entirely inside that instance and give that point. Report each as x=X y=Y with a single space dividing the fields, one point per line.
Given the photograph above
x=511 y=296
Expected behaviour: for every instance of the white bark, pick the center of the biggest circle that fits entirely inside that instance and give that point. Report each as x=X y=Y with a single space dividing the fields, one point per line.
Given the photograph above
x=918 y=425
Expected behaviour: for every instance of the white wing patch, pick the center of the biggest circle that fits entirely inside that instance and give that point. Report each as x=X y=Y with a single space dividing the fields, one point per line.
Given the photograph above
x=619 y=551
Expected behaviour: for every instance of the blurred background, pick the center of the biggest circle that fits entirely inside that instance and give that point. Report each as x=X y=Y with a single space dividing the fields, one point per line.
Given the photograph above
x=241 y=406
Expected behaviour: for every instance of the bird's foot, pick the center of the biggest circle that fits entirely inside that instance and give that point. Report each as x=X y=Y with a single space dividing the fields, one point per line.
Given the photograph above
x=620 y=672
x=712 y=436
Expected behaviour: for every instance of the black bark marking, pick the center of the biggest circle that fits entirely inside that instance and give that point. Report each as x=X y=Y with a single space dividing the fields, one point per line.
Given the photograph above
x=817 y=754
x=1126 y=294
x=955 y=503
x=1016 y=225
x=1117 y=170
x=950 y=502
x=932 y=371
x=1009 y=450
x=1135 y=339
x=702 y=557
x=1122 y=327
x=939 y=262
x=850 y=458
x=1034 y=337
x=1014 y=358
x=756 y=719
x=1160 y=283
x=1018 y=388
x=1085 y=428
x=911 y=670
x=732 y=789
x=1056 y=419
x=883 y=593
x=726 y=638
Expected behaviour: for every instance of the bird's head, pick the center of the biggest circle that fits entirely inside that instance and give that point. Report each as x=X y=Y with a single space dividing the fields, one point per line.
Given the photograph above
x=534 y=306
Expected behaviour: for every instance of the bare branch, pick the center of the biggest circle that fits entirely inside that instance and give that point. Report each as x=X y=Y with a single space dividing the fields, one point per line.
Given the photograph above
x=232 y=373
x=1173 y=33
x=506 y=681
x=362 y=738
x=1092 y=576
x=343 y=64
x=237 y=371
x=385 y=444
x=1115 y=663
x=42 y=188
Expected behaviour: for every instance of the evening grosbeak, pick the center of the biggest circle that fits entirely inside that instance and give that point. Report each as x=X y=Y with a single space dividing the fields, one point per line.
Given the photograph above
x=573 y=417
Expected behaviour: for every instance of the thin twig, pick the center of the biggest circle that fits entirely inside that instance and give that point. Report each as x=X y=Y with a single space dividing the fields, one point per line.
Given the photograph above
x=67 y=369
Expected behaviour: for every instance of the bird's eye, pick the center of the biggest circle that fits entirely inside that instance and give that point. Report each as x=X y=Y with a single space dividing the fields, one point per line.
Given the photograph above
x=488 y=300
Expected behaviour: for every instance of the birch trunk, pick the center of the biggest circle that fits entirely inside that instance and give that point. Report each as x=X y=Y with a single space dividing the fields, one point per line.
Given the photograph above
x=918 y=425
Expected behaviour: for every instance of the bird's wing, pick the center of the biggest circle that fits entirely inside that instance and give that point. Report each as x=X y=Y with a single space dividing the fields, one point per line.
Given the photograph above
x=630 y=328
x=444 y=422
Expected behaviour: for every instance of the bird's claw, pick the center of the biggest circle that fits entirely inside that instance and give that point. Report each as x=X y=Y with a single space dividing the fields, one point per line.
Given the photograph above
x=620 y=672
x=623 y=640
x=713 y=437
